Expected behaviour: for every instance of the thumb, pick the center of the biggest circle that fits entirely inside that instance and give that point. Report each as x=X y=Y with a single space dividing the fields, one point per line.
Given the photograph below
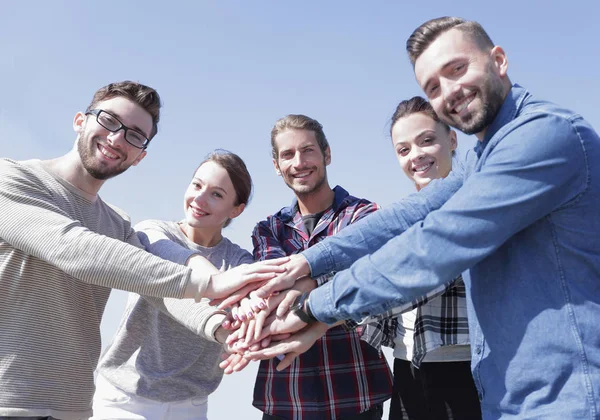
x=285 y=304
x=287 y=361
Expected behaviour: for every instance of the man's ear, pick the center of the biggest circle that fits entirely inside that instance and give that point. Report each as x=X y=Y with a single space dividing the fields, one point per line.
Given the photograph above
x=453 y=141
x=139 y=158
x=79 y=122
x=327 y=156
x=276 y=166
x=500 y=60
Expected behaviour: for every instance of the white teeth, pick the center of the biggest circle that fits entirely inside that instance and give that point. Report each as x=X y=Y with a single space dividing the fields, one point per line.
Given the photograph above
x=199 y=212
x=423 y=167
x=462 y=106
x=107 y=153
x=302 y=175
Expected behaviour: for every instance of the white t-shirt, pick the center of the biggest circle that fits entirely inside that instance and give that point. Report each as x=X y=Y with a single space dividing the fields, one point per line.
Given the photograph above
x=404 y=344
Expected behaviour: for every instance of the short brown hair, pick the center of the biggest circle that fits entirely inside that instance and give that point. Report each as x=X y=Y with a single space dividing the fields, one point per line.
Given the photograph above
x=298 y=122
x=415 y=105
x=237 y=171
x=143 y=95
x=424 y=35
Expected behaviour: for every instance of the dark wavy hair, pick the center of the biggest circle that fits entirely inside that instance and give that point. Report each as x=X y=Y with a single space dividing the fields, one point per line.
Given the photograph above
x=143 y=95
x=424 y=35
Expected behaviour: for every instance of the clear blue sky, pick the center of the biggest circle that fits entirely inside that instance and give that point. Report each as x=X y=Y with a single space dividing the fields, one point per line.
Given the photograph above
x=227 y=70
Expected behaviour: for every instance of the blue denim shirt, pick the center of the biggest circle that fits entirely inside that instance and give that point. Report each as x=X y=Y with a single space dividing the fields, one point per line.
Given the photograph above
x=523 y=216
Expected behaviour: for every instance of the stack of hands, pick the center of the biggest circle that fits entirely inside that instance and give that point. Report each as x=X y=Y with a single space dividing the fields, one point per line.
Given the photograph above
x=260 y=323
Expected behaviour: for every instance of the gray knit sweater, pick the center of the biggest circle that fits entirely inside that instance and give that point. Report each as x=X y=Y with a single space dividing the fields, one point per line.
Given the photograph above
x=61 y=250
x=165 y=349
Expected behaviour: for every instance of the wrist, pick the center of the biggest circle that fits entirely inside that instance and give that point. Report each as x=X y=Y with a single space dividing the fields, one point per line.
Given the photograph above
x=196 y=285
x=301 y=309
x=303 y=266
x=221 y=335
x=305 y=284
x=213 y=325
x=202 y=270
x=308 y=311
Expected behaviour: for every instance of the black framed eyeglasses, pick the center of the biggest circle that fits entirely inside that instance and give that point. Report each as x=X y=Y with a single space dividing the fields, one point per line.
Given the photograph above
x=113 y=124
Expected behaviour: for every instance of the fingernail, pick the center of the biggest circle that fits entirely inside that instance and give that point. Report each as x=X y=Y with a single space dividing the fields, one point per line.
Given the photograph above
x=262 y=305
x=250 y=314
x=236 y=318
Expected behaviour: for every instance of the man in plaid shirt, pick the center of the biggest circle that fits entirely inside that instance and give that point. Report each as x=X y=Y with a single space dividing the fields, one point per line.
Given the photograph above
x=340 y=377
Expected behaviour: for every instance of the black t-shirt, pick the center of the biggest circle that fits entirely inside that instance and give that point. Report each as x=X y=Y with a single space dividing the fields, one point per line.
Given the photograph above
x=310 y=221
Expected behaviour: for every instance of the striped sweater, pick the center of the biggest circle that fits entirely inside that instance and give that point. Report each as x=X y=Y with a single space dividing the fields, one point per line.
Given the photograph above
x=61 y=250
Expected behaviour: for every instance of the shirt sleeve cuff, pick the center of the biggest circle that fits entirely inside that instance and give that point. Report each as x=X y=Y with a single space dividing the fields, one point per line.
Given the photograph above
x=319 y=259
x=212 y=325
x=321 y=305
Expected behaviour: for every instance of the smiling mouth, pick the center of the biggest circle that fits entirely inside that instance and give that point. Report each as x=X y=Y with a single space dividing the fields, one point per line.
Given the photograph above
x=462 y=105
x=198 y=212
x=421 y=169
x=302 y=175
x=107 y=153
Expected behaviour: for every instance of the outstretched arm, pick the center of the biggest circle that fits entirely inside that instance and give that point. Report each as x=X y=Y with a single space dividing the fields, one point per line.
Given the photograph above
x=338 y=252
x=519 y=184
x=298 y=267
x=202 y=318
x=35 y=224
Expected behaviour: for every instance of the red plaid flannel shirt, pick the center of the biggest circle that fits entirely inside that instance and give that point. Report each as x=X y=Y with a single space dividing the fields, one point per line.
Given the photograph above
x=340 y=375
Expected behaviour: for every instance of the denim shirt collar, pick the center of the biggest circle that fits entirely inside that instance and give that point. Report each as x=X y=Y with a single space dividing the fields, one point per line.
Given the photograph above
x=508 y=111
x=287 y=214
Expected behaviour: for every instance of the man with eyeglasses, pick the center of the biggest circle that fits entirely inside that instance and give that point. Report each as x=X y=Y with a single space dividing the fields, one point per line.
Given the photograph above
x=62 y=249
x=134 y=137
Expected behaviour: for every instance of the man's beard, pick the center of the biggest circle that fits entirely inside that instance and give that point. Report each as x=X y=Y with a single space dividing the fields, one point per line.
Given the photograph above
x=492 y=98
x=96 y=168
x=304 y=190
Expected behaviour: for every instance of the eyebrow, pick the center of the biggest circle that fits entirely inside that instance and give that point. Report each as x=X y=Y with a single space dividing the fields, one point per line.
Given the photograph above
x=216 y=187
x=442 y=69
x=426 y=87
x=421 y=134
x=132 y=127
x=451 y=62
x=139 y=130
x=301 y=147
